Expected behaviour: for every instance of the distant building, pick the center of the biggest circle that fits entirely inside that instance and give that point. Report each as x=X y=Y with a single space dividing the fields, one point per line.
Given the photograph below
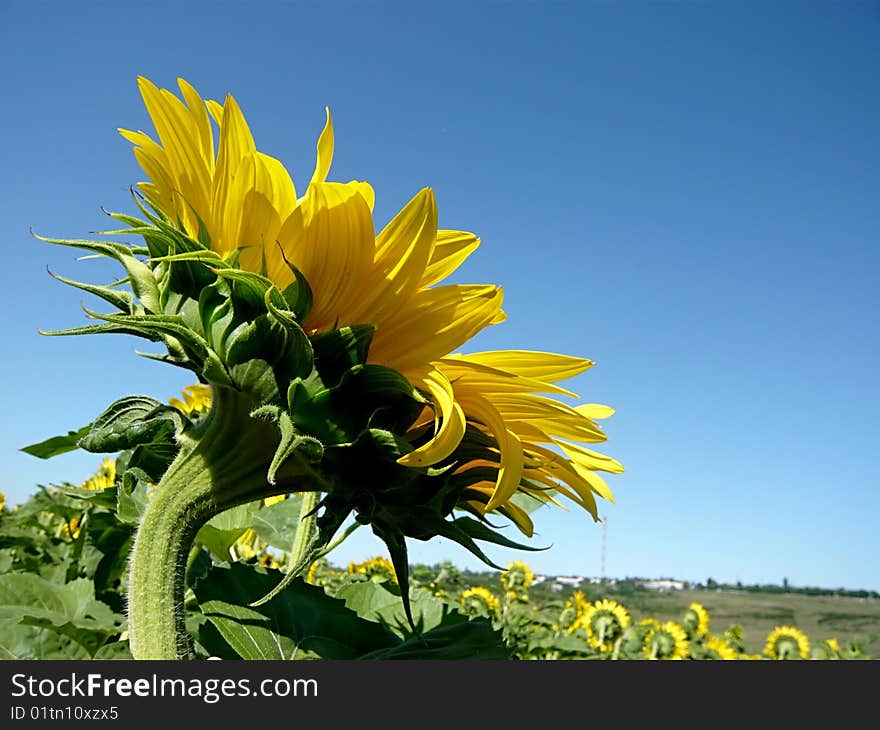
x=664 y=584
x=570 y=580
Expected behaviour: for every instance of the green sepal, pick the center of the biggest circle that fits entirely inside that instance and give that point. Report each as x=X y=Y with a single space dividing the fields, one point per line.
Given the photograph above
x=309 y=448
x=298 y=294
x=396 y=543
x=143 y=283
x=480 y=531
x=120 y=299
x=340 y=349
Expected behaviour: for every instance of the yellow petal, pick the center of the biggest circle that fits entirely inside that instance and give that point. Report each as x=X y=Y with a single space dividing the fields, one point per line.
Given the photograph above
x=325 y=151
x=261 y=193
x=548 y=415
x=545 y=366
x=590 y=459
x=329 y=238
x=484 y=379
x=452 y=422
x=450 y=251
x=561 y=469
x=199 y=114
x=215 y=109
x=509 y=446
x=595 y=410
x=403 y=249
x=236 y=143
x=434 y=322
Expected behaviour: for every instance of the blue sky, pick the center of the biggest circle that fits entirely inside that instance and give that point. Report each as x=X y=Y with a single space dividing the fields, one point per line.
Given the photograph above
x=685 y=193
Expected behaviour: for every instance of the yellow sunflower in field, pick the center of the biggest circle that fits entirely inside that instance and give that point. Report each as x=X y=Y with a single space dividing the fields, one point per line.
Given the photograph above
x=668 y=641
x=715 y=647
x=377 y=569
x=696 y=620
x=604 y=622
x=2 y=501
x=242 y=204
x=787 y=642
x=572 y=612
x=479 y=601
x=104 y=478
x=516 y=579
x=195 y=401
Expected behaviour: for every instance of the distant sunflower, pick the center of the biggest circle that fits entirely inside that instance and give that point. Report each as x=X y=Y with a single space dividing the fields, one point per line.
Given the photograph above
x=668 y=641
x=377 y=569
x=717 y=648
x=572 y=612
x=787 y=642
x=696 y=620
x=604 y=622
x=104 y=478
x=196 y=400
x=516 y=579
x=479 y=601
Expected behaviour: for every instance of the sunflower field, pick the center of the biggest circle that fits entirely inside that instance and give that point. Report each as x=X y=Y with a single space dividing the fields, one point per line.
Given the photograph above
x=64 y=580
x=329 y=392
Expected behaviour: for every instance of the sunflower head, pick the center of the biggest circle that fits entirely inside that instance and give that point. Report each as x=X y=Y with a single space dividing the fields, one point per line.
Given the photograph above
x=104 y=478
x=479 y=601
x=604 y=622
x=667 y=641
x=715 y=647
x=378 y=569
x=516 y=579
x=696 y=620
x=786 y=643
x=572 y=612
x=332 y=341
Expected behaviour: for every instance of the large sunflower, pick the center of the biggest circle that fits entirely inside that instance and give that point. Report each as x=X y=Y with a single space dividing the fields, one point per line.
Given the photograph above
x=240 y=202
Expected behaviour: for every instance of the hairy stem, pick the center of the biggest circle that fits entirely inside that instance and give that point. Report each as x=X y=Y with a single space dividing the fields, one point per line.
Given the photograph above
x=222 y=463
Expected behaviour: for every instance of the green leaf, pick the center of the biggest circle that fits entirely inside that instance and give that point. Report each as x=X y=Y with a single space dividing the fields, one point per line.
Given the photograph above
x=247 y=631
x=130 y=421
x=20 y=641
x=132 y=497
x=301 y=613
x=382 y=602
x=277 y=524
x=57 y=444
x=69 y=609
x=475 y=639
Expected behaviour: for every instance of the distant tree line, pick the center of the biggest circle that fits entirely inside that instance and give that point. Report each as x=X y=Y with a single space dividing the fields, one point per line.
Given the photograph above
x=785 y=588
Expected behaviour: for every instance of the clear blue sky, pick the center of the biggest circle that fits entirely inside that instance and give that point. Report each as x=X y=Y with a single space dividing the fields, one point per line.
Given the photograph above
x=686 y=193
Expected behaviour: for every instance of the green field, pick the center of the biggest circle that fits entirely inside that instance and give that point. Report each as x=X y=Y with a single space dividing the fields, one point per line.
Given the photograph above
x=820 y=617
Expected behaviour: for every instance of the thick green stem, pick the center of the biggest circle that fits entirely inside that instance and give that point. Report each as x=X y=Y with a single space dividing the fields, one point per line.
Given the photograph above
x=221 y=463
